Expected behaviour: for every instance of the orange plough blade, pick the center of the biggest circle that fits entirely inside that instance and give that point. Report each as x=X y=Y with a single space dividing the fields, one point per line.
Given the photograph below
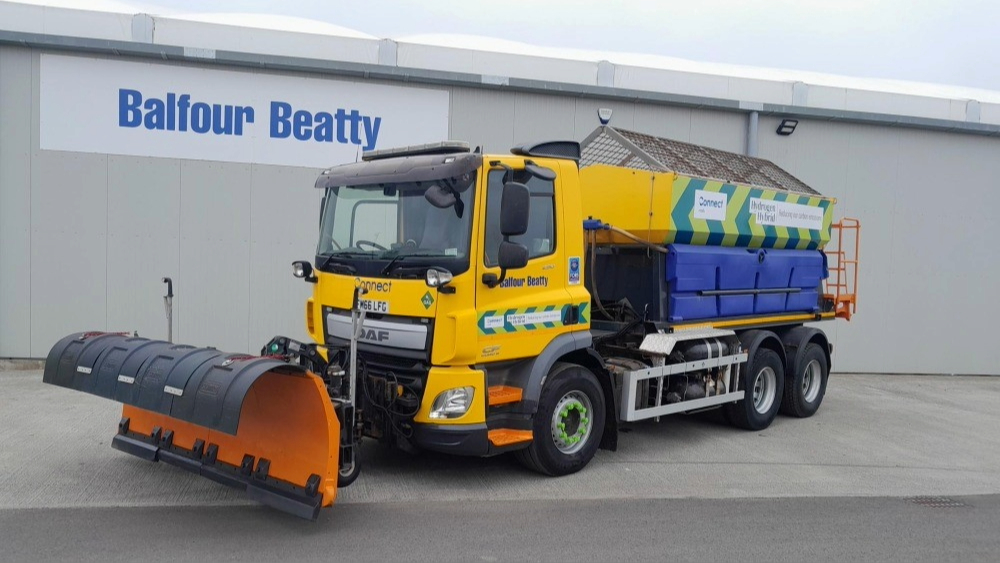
x=258 y=424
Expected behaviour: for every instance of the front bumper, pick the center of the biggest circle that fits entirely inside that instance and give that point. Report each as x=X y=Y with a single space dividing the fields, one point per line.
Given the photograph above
x=457 y=439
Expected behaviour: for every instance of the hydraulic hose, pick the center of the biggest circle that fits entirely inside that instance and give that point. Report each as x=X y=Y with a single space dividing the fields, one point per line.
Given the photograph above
x=592 y=242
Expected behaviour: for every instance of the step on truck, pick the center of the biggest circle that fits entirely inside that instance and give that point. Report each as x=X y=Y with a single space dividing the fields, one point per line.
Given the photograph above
x=529 y=303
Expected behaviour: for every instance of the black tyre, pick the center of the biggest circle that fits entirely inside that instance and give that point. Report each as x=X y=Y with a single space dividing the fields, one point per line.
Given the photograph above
x=806 y=382
x=348 y=475
x=762 y=378
x=569 y=423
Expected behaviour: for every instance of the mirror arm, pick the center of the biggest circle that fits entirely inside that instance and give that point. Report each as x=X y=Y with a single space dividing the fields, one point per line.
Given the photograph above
x=508 y=171
x=491 y=280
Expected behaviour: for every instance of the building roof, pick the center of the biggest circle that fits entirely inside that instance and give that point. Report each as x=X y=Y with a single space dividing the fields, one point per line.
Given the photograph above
x=499 y=61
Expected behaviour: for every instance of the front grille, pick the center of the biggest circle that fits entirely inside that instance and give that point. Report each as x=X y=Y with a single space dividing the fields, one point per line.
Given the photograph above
x=406 y=371
x=388 y=361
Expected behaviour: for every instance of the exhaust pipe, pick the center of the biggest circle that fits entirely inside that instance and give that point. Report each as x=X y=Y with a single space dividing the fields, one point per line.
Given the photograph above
x=168 y=306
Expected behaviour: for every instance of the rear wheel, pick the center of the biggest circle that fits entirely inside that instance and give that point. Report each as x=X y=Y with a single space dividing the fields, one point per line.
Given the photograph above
x=569 y=424
x=763 y=381
x=807 y=383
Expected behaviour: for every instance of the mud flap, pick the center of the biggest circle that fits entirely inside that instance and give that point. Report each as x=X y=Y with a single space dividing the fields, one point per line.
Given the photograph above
x=258 y=424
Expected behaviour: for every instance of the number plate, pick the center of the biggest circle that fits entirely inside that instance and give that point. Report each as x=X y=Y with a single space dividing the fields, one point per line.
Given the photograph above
x=374 y=306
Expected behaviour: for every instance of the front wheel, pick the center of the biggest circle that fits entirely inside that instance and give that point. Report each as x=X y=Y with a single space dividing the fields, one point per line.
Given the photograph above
x=763 y=382
x=569 y=424
x=349 y=472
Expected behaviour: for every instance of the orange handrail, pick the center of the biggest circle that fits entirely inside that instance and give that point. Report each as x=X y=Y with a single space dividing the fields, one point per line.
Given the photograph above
x=842 y=285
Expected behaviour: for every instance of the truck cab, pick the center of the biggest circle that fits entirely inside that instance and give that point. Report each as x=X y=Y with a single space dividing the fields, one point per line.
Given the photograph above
x=464 y=288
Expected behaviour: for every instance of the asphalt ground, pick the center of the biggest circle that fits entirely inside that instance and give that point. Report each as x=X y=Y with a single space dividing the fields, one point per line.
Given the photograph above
x=839 y=485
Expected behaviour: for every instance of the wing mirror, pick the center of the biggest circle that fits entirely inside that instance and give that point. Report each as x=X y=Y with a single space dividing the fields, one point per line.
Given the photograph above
x=515 y=203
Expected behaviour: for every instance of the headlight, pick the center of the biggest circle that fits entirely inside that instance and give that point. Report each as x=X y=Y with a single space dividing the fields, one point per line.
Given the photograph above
x=438 y=278
x=302 y=269
x=452 y=403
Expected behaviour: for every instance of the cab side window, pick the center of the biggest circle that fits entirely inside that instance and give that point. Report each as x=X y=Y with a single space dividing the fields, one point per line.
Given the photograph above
x=540 y=238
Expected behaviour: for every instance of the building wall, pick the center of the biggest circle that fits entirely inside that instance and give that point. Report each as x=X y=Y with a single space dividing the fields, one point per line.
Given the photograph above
x=85 y=238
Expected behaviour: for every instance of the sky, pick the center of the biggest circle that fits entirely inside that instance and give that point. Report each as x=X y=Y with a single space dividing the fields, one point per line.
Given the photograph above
x=954 y=42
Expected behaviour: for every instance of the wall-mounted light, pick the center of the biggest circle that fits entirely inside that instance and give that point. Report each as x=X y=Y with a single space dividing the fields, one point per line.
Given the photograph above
x=787 y=127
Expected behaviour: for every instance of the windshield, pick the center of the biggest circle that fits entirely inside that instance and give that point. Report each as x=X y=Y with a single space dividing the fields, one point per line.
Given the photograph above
x=397 y=229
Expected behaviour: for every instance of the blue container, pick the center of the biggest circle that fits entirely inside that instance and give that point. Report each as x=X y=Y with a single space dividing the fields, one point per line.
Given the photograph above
x=691 y=271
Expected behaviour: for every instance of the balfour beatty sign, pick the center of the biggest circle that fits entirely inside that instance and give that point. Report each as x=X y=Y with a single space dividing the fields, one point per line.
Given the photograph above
x=159 y=110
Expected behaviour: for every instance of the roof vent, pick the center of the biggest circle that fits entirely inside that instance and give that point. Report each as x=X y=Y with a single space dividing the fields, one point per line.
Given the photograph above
x=550 y=149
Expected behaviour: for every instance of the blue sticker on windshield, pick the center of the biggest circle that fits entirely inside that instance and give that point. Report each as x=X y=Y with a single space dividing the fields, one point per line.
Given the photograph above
x=574 y=270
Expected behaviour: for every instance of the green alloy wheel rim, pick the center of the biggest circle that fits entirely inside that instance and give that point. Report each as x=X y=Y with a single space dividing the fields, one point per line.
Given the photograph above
x=572 y=422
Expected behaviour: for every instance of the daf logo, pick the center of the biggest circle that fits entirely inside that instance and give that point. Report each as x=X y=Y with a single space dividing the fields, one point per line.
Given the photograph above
x=374 y=335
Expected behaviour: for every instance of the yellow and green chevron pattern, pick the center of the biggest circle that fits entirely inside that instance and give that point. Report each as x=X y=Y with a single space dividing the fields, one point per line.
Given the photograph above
x=740 y=227
x=529 y=318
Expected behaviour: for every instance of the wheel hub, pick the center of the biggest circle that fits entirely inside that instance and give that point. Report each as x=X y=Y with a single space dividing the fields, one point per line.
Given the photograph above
x=571 y=422
x=811 y=381
x=763 y=390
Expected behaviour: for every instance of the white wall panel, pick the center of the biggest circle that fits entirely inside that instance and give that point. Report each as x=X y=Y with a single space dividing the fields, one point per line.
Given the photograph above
x=535 y=68
x=765 y=91
x=826 y=97
x=675 y=82
x=898 y=104
x=431 y=57
x=30 y=18
x=210 y=35
x=989 y=113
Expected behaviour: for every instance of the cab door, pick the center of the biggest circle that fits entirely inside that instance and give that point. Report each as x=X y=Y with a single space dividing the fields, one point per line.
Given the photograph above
x=531 y=305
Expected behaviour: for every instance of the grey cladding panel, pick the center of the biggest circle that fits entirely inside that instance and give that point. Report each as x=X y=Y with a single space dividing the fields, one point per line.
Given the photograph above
x=143 y=241
x=483 y=118
x=213 y=303
x=69 y=194
x=542 y=118
x=662 y=121
x=924 y=252
x=15 y=202
x=284 y=227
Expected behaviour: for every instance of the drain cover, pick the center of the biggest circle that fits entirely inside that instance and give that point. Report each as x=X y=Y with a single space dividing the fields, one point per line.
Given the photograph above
x=938 y=502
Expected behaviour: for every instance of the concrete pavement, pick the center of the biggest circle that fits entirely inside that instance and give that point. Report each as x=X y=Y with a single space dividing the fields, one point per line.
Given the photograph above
x=837 y=486
x=873 y=436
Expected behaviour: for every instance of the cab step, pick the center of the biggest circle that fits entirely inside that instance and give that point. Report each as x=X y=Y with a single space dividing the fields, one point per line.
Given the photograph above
x=501 y=437
x=504 y=395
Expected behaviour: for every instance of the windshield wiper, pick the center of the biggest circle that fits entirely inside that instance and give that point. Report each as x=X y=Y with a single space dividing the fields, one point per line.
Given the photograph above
x=328 y=262
x=388 y=267
x=392 y=266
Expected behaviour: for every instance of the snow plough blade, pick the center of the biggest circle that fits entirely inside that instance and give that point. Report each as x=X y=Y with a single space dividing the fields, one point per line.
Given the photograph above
x=255 y=423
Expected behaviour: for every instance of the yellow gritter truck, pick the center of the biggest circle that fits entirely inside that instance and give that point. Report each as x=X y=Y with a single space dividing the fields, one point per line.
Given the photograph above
x=532 y=302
